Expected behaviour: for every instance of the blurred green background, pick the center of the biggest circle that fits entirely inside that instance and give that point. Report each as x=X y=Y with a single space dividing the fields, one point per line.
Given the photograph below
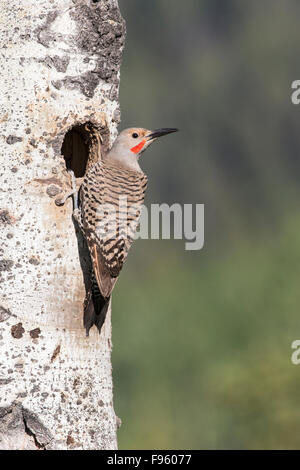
x=202 y=339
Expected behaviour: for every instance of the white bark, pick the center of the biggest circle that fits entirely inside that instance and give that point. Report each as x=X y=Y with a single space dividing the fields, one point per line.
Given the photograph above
x=59 y=67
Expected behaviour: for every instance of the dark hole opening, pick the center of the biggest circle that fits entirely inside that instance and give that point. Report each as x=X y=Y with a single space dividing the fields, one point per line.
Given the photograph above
x=83 y=145
x=76 y=149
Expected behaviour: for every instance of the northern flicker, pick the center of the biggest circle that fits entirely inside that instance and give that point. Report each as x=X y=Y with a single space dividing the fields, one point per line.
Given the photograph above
x=110 y=203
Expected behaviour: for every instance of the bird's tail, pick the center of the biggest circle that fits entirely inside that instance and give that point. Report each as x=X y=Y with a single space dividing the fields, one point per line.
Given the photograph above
x=95 y=307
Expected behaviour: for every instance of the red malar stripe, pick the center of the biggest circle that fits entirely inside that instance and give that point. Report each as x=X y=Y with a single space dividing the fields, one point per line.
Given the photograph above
x=138 y=147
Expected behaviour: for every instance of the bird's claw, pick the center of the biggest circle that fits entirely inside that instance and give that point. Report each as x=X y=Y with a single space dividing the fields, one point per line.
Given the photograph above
x=73 y=193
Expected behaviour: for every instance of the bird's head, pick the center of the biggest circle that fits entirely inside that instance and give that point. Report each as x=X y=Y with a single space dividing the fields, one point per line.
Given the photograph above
x=131 y=143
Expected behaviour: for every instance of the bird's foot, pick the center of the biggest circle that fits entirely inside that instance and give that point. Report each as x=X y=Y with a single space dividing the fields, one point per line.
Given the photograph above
x=61 y=201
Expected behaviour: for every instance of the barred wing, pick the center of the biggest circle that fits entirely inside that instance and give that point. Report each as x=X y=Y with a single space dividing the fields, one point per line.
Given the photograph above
x=111 y=202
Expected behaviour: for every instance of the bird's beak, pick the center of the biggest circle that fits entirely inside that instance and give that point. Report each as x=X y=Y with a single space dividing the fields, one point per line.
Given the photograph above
x=160 y=132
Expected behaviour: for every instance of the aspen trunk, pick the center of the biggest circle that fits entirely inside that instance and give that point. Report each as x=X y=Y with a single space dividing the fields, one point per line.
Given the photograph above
x=60 y=62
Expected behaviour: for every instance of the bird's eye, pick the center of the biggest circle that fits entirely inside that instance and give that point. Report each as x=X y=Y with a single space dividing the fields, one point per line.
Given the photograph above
x=135 y=135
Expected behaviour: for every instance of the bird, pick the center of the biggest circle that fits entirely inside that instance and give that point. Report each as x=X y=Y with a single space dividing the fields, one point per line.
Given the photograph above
x=107 y=210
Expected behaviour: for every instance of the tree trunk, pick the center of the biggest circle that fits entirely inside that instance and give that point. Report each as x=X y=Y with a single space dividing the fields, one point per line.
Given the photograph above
x=60 y=62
